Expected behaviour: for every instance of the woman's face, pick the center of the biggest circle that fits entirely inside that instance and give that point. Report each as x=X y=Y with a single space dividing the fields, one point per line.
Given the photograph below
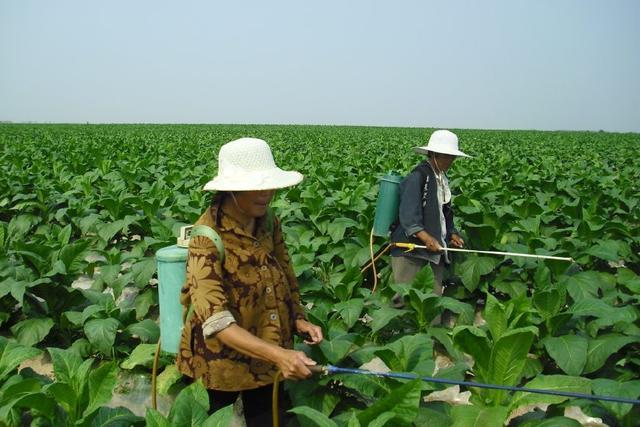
x=443 y=161
x=254 y=203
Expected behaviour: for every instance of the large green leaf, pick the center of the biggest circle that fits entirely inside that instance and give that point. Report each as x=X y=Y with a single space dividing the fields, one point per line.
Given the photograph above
x=317 y=417
x=584 y=285
x=147 y=330
x=473 y=341
x=629 y=279
x=33 y=401
x=561 y=383
x=19 y=226
x=382 y=316
x=548 y=302
x=115 y=417
x=605 y=313
x=475 y=416
x=569 y=352
x=101 y=383
x=607 y=387
x=609 y=250
x=602 y=347
x=12 y=355
x=314 y=395
x=434 y=415
x=65 y=396
x=143 y=271
x=24 y=393
x=496 y=317
x=337 y=348
x=403 y=401
x=109 y=230
x=411 y=353
x=32 y=331
x=382 y=419
x=338 y=227
x=144 y=301
x=167 y=378
x=73 y=256
x=424 y=280
x=190 y=407
x=143 y=355
x=465 y=312
x=154 y=418
x=220 y=418
x=508 y=359
x=350 y=310
x=473 y=268
x=552 y=422
x=368 y=386
x=101 y=333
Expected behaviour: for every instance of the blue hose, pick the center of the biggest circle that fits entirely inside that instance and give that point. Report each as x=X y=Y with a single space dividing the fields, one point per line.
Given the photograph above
x=330 y=370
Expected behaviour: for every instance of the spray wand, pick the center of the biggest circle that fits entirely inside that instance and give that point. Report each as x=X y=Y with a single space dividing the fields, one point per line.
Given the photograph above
x=412 y=246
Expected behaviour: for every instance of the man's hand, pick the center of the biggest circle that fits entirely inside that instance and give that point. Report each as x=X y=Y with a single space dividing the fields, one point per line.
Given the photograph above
x=456 y=241
x=312 y=331
x=429 y=241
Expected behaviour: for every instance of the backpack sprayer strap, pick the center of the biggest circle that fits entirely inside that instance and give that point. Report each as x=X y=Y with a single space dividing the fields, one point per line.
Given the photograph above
x=211 y=234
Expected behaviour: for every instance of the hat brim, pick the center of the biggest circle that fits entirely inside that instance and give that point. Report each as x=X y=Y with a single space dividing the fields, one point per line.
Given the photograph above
x=268 y=180
x=424 y=150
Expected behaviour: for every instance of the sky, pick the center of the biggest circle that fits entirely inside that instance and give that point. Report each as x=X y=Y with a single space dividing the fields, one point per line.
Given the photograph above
x=492 y=64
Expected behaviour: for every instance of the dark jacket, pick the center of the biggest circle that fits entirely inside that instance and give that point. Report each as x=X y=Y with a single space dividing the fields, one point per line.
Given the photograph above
x=419 y=211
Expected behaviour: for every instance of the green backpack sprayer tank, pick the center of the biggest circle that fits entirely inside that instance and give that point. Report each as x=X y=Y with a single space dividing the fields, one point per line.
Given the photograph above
x=387 y=204
x=172 y=273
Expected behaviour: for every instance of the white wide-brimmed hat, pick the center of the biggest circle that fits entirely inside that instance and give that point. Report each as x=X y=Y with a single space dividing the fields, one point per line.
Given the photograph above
x=246 y=164
x=444 y=142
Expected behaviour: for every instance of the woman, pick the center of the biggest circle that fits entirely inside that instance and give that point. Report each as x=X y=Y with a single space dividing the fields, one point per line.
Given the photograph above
x=245 y=306
x=425 y=214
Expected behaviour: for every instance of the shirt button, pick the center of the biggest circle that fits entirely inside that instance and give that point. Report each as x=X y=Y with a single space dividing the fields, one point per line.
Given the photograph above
x=263 y=268
x=273 y=316
x=268 y=290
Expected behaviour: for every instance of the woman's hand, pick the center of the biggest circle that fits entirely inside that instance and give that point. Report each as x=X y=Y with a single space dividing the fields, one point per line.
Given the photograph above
x=429 y=241
x=456 y=241
x=312 y=331
x=294 y=365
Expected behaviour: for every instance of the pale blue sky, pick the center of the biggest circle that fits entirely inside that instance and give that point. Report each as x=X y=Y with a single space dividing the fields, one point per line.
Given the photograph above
x=545 y=64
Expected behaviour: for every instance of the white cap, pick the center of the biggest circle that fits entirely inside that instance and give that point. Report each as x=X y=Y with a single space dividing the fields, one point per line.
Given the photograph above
x=444 y=142
x=247 y=164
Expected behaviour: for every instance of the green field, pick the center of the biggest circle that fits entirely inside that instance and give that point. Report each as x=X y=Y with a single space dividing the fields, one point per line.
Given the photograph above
x=93 y=203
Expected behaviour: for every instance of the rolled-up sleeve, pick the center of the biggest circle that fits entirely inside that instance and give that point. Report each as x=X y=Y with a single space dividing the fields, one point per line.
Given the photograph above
x=410 y=211
x=282 y=255
x=206 y=291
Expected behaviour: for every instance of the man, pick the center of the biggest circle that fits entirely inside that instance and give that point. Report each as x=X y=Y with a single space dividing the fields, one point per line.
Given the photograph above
x=425 y=213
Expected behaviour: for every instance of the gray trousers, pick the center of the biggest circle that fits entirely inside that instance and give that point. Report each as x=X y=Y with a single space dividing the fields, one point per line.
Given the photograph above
x=405 y=270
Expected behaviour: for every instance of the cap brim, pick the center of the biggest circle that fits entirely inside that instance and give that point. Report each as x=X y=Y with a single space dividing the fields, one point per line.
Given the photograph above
x=272 y=180
x=457 y=153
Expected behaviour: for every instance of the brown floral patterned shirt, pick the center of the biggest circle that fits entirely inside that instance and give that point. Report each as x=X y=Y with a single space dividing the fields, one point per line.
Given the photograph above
x=254 y=287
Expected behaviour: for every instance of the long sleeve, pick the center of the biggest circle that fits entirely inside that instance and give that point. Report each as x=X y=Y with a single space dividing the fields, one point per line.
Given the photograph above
x=448 y=217
x=410 y=210
x=206 y=291
x=282 y=255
